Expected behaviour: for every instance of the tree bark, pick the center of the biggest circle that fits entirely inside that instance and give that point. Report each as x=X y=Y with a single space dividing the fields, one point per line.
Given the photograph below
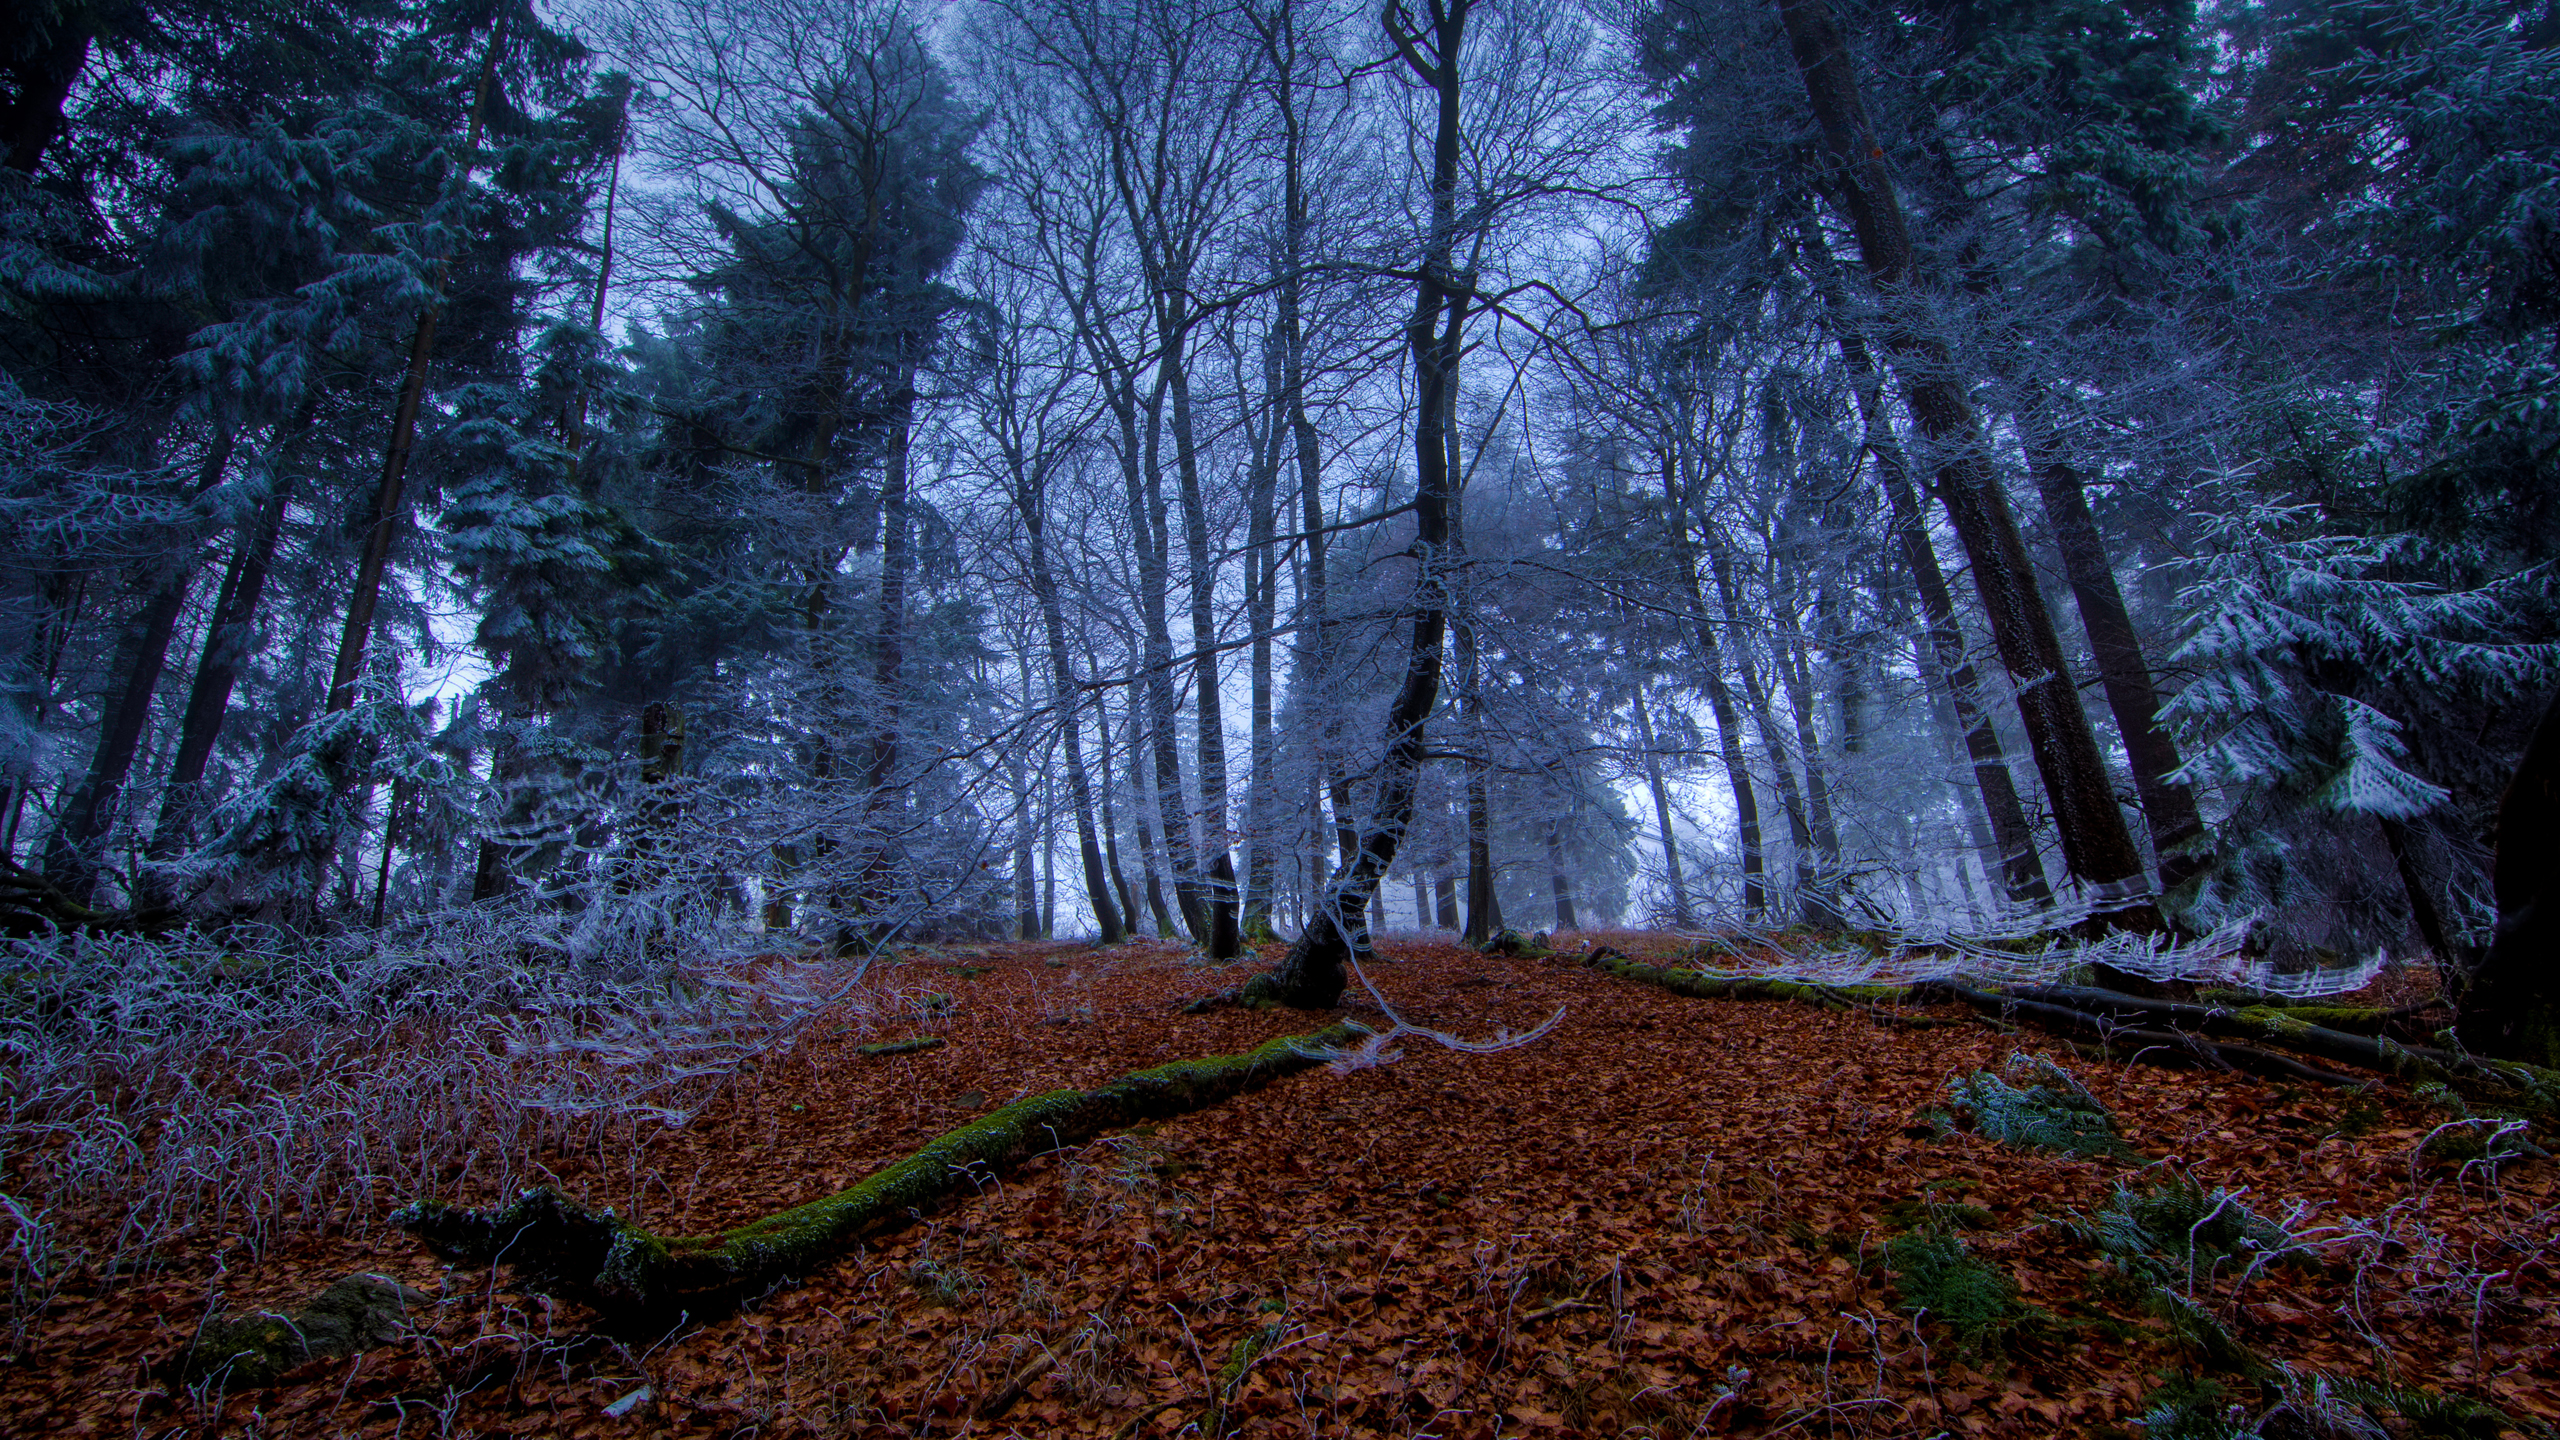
x=2510 y=1006
x=1559 y=881
x=1712 y=671
x=70 y=861
x=1313 y=974
x=1662 y=812
x=2096 y=846
x=2168 y=806
x=390 y=501
x=1945 y=652
x=227 y=642
x=1030 y=500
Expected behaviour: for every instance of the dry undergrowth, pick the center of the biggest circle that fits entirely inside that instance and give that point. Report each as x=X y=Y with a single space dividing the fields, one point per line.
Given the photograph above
x=1671 y=1217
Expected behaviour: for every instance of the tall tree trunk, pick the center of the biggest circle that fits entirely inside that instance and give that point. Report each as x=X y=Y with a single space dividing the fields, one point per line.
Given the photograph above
x=884 y=798
x=1444 y=901
x=1030 y=500
x=1484 y=899
x=1110 y=817
x=1945 y=653
x=45 y=75
x=1313 y=975
x=2510 y=1006
x=1141 y=807
x=390 y=500
x=227 y=641
x=2096 y=846
x=1153 y=535
x=1558 y=880
x=1680 y=916
x=2168 y=807
x=1262 y=613
x=1813 y=907
x=1712 y=671
x=70 y=858
x=1218 y=873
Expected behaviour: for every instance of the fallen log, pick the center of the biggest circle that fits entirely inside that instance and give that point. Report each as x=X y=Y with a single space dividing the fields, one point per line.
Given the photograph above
x=560 y=1247
x=2181 y=1028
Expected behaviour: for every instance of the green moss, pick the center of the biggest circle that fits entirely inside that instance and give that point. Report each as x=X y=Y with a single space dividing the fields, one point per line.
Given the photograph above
x=1702 y=986
x=903 y=1047
x=564 y=1247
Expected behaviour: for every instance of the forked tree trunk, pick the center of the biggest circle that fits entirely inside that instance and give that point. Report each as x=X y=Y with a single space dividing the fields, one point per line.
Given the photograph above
x=1030 y=501
x=2096 y=846
x=227 y=641
x=1313 y=975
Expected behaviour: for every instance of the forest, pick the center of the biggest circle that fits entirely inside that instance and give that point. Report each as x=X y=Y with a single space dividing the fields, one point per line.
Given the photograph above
x=1856 y=731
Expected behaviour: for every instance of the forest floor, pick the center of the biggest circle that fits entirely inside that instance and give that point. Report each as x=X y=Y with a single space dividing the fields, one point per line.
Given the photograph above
x=1669 y=1217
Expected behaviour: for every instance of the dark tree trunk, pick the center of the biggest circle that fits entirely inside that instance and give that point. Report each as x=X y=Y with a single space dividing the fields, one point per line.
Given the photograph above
x=1712 y=671
x=1444 y=902
x=2168 y=807
x=1559 y=880
x=1813 y=907
x=2096 y=846
x=2511 y=1006
x=227 y=642
x=390 y=499
x=1945 y=653
x=44 y=76
x=1031 y=501
x=1313 y=975
x=70 y=859
x=1662 y=813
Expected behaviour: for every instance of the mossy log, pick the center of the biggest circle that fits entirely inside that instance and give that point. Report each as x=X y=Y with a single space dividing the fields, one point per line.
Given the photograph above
x=2176 y=1032
x=560 y=1247
x=1702 y=986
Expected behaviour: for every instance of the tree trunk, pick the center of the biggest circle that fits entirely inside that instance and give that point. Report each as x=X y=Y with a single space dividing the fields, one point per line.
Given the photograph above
x=227 y=642
x=1680 y=917
x=1944 y=653
x=1111 y=820
x=1712 y=670
x=70 y=861
x=1152 y=534
x=1812 y=905
x=1444 y=901
x=2168 y=806
x=1559 y=881
x=45 y=76
x=2096 y=846
x=1484 y=900
x=390 y=501
x=2511 y=1006
x=1030 y=500
x=1149 y=858
x=1313 y=975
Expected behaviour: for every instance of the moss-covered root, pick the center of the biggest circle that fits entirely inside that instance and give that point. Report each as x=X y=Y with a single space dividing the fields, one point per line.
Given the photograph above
x=1702 y=986
x=562 y=1247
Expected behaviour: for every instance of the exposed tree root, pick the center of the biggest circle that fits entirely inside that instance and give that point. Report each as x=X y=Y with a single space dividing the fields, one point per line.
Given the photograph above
x=561 y=1247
